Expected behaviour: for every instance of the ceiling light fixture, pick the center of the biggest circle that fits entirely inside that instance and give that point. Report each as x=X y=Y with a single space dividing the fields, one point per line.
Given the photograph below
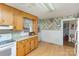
x=51 y=6
x=44 y=6
x=48 y=6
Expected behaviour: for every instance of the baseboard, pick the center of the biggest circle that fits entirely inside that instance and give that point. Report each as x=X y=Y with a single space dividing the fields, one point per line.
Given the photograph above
x=50 y=43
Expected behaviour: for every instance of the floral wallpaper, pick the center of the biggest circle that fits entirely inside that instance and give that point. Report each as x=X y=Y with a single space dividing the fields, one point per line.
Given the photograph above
x=47 y=24
x=53 y=23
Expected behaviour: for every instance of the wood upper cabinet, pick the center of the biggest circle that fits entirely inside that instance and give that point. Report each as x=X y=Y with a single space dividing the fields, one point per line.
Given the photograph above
x=35 y=25
x=20 y=48
x=13 y=16
x=18 y=20
x=6 y=15
x=0 y=15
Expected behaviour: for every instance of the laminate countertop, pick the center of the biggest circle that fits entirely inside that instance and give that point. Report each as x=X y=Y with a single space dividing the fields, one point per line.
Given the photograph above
x=9 y=42
x=24 y=37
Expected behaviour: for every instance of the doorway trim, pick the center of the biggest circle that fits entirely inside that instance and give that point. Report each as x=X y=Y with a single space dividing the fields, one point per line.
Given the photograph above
x=69 y=19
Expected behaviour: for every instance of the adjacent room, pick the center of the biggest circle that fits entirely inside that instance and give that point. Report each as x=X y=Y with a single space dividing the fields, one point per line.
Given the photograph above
x=39 y=29
x=69 y=32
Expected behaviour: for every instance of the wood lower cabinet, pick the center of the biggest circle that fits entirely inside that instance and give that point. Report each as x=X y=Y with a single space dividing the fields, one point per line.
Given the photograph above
x=20 y=48
x=26 y=46
x=32 y=44
x=36 y=42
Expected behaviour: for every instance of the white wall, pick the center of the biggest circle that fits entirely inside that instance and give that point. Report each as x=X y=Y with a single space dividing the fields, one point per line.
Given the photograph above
x=55 y=36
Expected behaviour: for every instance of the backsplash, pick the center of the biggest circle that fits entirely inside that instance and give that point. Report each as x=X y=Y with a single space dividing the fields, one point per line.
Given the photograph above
x=19 y=34
x=12 y=35
x=49 y=24
x=6 y=36
x=5 y=31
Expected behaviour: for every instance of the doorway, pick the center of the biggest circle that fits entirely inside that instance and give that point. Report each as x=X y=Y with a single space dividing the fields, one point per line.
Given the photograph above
x=69 y=33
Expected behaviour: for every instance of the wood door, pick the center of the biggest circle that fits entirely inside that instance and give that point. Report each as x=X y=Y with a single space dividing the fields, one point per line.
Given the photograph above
x=7 y=15
x=32 y=43
x=20 y=48
x=27 y=46
x=18 y=20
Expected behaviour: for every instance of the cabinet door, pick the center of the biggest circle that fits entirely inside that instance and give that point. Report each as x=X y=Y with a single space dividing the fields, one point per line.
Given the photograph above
x=18 y=20
x=36 y=42
x=20 y=49
x=0 y=15
x=32 y=43
x=7 y=15
x=27 y=46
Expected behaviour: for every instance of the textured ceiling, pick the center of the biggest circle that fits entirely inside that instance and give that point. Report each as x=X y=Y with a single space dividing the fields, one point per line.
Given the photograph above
x=61 y=9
